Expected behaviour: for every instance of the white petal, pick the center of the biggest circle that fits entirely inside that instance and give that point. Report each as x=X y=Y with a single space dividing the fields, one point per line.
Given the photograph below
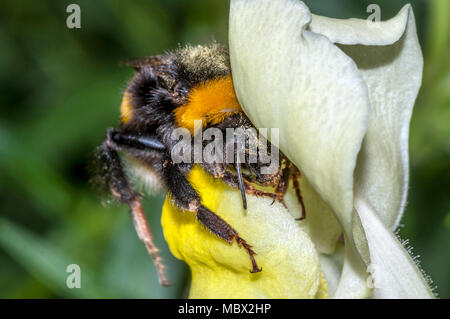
x=392 y=68
x=298 y=81
x=394 y=273
x=331 y=266
x=391 y=65
x=321 y=224
x=361 y=32
x=353 y=281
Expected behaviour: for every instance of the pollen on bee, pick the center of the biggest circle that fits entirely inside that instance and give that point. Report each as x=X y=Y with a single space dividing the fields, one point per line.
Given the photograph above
x=126 y=109
x=210 y=102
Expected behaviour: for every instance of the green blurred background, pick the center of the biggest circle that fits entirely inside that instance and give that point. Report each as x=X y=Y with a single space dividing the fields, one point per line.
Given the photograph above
x=60 y=89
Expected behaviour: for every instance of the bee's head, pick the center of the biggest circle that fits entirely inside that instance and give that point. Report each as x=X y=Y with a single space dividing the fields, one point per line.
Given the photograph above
x=192 y=83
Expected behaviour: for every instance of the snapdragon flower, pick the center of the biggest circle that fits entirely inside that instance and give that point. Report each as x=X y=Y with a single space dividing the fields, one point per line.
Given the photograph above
x=341 y=93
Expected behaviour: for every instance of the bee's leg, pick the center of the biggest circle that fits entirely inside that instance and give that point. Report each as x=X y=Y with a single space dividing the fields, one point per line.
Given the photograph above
x=185 y=197
x=218 y=171
x=122 y=190
x=232 y=179
x=263 y=179
x=295 y=177
x=116 y=139
x=283 y=184
x=223 y=230
x=145 y=235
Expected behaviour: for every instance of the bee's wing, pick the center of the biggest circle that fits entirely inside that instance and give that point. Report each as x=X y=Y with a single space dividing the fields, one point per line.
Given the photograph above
x=158 y=63
x=151 y=61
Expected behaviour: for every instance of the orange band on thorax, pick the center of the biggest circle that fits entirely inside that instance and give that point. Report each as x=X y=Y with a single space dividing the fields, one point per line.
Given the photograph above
x=210 y=102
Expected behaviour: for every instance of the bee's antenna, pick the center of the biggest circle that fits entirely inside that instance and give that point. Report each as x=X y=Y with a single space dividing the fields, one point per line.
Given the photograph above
x=241 y=184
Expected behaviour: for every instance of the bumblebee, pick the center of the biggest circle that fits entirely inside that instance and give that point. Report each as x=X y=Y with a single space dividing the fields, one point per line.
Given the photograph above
x=169 y=92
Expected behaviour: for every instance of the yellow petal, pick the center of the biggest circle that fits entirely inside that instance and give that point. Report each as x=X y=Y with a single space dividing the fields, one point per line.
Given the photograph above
x=289 y=261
